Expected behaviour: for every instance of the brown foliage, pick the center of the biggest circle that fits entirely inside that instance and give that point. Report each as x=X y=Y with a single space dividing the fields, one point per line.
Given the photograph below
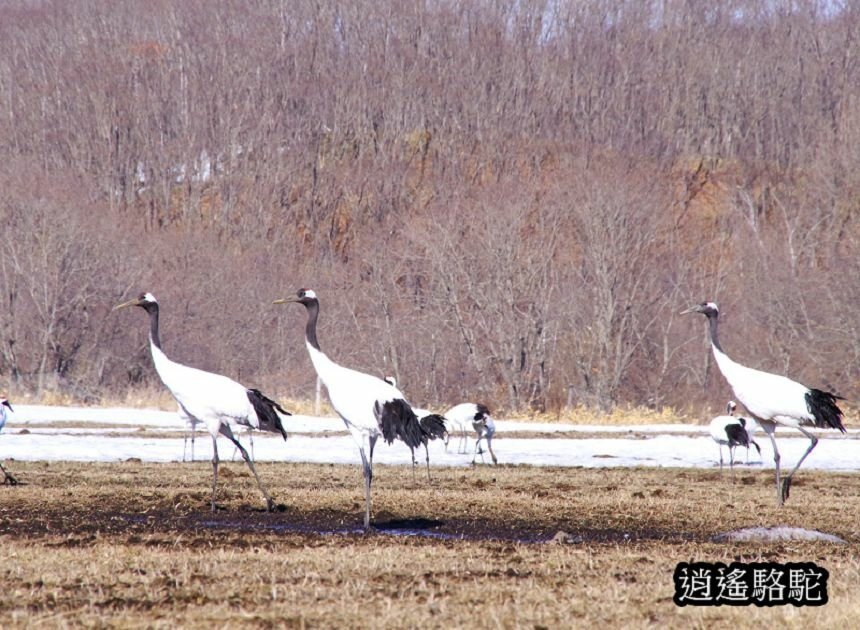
x=497 y=201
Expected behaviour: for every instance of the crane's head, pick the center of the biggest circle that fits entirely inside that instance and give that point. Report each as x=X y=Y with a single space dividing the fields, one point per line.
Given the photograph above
x=303 y=296
x=146 y=301
x=390 y=380
x=5 y=403
x=730 y=408
x=708 y=309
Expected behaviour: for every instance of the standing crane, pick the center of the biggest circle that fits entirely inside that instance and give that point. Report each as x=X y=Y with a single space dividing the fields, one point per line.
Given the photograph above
x=772 y=399
x=6 y=411
x=213 y=400
x=727 y=430
x=368 y=406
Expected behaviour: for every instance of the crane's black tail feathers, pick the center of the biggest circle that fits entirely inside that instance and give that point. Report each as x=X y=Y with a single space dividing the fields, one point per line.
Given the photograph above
x=737 y=435
x=398 y=422
x=433 y=426
x=757 y=447
x=266 y=412
x=823 y=406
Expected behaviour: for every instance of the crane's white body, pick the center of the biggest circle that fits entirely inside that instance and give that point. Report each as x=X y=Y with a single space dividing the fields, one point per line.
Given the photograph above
x=459 y=420
x=210 y=399
x=353 y=394
x=766 y=396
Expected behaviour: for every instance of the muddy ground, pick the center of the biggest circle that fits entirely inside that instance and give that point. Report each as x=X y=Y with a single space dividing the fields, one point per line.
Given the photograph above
x=136 y=545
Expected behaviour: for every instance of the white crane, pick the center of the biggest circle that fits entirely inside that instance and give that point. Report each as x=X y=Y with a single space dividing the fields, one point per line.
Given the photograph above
x=461 y=419
x=485 y=427
x=214 y=400
x=5 y=412
x=368 y=405
x=774 y=400
x=727 y=430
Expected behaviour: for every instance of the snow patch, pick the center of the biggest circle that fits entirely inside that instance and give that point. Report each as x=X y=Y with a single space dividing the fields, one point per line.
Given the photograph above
x=776 y=534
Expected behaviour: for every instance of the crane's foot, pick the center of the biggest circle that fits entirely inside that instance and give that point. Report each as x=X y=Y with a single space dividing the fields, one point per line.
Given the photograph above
x=270 y=505
x=10 y=480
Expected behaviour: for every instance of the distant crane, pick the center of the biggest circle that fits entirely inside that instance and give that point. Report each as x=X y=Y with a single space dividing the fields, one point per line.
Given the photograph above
x=213 y=400
x=727 y=430
x=368 y=406
x=773 y=399
x=485 y=427
x=461 y=418
x=5 y=412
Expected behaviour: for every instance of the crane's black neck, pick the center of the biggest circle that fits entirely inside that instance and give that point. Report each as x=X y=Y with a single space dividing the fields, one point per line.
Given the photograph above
x=152 y=309
x=712 y=329
x=313 y=307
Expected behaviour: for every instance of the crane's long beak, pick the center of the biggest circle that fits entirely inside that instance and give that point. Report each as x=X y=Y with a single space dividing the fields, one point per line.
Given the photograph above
x=286 y=300
x=692 y=309
x=133 y=302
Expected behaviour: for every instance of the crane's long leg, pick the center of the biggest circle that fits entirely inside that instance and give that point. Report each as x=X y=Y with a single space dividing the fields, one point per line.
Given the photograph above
x=8 y=478
x=720 y=446
x=786 y=485
x=228 y=433
x=731 y=461
x=477 y=446
x=214 y=468
x=427 y=457
x=490 y=448
x=779 y=497
x=367 y=466
x=414 y=464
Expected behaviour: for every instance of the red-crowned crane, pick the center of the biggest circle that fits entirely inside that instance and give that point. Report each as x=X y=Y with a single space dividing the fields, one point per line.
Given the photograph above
x=727 y=430
x=467 y=416
x=774 y=400
x=485 y=427
x=5 y=412
x=368 y=406
x=217 y=402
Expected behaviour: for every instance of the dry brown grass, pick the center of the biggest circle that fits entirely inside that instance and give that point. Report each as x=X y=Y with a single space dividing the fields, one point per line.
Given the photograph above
x=134 y=545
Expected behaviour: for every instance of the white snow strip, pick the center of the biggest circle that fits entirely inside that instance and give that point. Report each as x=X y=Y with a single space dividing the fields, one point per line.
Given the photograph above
x=670 y=451
x=773 y=534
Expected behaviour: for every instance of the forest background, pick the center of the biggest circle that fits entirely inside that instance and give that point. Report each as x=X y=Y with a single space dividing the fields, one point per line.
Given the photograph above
x=497 y=200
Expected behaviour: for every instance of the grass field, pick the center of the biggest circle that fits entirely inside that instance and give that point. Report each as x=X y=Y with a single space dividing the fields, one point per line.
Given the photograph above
x=135 y=545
